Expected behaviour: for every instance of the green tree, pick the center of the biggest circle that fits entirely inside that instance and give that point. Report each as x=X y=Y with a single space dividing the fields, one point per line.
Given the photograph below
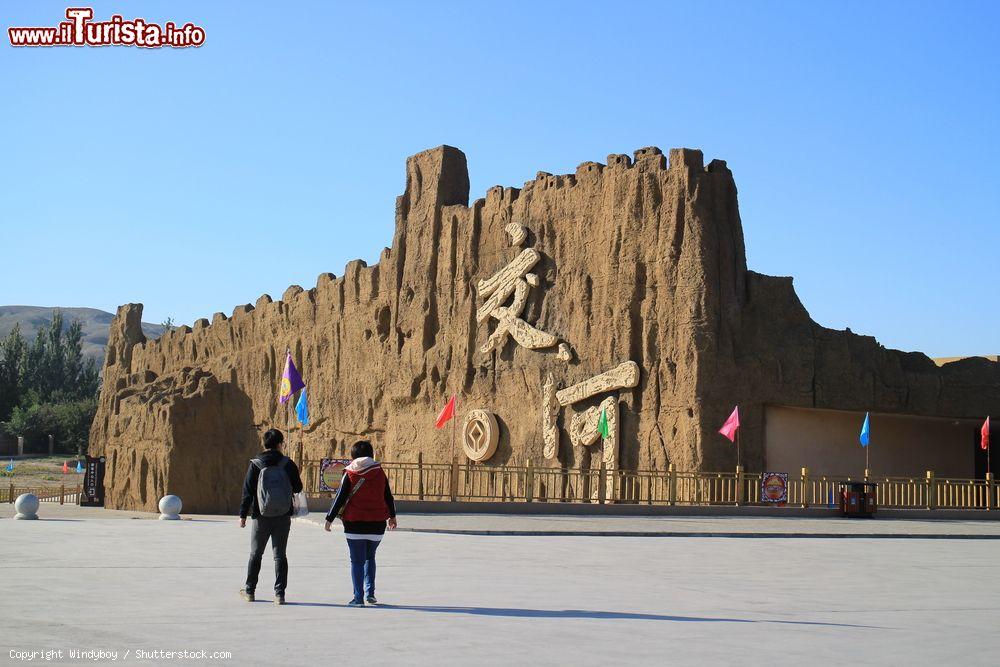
x=80 y=376
x=68 y=422
x=13 y=357
x=48 y=388
x=167 y=326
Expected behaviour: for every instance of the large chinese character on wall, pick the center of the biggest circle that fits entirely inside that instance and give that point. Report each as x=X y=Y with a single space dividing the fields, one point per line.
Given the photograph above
x=504 y=296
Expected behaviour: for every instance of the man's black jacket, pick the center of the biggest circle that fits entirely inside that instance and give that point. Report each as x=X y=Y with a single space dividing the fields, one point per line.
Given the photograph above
x=268 y=457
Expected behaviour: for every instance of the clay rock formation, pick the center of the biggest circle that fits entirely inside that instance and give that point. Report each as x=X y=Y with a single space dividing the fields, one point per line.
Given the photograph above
x=637 y=260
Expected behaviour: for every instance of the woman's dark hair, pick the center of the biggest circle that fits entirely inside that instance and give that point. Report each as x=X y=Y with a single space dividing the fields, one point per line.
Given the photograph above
x=362 y=448
x=273 y=438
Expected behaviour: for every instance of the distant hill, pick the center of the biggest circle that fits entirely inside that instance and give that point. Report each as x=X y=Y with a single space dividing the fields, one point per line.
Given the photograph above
x=96 y=324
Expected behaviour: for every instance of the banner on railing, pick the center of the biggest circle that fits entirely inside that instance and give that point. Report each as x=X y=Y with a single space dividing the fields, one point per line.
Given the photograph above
x=331 y=471
x=774 y=488
x=93 y=483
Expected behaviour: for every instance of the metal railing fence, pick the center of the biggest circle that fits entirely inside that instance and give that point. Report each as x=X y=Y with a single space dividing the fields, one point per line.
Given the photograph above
x=529 y=483
x=47 y=494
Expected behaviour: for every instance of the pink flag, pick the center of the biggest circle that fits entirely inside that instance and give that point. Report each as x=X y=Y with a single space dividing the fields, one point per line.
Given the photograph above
x=729 y=428
x=984 y=435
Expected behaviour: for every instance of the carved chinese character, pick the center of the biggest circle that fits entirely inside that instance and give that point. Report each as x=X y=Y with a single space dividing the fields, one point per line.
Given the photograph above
x=584 y=426
x=624 y=375
x=550 y=420
x=513 y=282
x=584 y=429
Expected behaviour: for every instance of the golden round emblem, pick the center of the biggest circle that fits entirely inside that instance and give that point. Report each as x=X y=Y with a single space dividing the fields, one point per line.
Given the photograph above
x=480 y=435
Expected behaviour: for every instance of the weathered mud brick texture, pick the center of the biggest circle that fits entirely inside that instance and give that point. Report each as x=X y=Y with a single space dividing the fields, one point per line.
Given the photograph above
x=513 y=303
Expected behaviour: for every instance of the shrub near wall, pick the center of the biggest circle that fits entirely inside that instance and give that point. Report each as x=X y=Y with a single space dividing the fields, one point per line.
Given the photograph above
x=68 y=422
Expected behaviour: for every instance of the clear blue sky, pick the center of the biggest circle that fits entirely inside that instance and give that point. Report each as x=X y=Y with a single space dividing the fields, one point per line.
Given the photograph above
x=863 y=137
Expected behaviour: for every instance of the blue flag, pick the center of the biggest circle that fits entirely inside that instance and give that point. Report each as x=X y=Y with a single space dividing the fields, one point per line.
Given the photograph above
x=865 y=431
x=79 y=467
x=301 y=409
x=10 y=466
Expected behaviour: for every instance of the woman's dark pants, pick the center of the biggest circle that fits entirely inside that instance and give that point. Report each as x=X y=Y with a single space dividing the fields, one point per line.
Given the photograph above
x=264 y=529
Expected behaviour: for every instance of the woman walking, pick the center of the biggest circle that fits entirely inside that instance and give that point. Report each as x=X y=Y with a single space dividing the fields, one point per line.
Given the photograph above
x=367 y=504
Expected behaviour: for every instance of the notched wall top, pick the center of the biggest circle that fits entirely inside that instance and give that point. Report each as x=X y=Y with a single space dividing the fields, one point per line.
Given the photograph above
x=640 y=259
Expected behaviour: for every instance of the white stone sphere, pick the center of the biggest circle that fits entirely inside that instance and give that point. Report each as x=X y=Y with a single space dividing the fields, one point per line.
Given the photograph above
x=26 y=506
x=170 y=507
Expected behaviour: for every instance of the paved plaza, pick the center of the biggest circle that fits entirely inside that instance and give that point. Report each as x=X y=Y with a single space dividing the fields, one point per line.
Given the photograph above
x=778 y=525
x=120 y=581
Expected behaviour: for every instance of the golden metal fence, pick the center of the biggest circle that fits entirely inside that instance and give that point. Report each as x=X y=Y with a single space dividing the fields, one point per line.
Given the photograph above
x=528 y=483
x=46 y=494
x=963 y=493
x=903 y=492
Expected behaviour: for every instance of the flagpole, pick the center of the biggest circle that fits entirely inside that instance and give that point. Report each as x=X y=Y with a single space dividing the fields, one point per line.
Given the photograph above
x=738 y=457
x=865 y=438
x=453 y=427
x=739 y=454
x=289 y=409
x=288 y=428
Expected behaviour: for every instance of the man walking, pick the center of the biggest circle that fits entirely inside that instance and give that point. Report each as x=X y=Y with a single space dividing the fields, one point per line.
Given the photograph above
x=271 y=481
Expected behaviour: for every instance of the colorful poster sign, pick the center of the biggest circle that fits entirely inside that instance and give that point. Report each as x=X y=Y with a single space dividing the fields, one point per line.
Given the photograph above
x=93 y=482
x=774 y=488
x=331 y=471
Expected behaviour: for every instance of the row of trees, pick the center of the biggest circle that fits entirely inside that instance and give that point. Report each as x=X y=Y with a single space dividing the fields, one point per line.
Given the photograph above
x=47 y=387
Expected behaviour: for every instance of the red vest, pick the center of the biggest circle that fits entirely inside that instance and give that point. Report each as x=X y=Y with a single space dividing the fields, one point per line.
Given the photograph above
x=368 y=502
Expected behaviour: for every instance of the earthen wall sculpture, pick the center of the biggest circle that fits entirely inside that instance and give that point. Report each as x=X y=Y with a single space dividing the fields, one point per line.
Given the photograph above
x=635 y=268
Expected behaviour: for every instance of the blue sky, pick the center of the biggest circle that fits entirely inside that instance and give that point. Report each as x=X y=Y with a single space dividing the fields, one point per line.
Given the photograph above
x=863 y=138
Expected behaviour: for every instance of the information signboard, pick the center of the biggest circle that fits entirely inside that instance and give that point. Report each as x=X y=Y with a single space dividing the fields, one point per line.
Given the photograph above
x=93 y=482
x=331 y=471
x=774 y=488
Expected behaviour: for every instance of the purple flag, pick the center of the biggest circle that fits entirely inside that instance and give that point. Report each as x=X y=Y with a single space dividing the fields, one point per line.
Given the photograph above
x=291 y=381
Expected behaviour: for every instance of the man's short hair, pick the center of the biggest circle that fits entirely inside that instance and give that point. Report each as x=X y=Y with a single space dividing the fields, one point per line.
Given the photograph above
x=362 y=448
x=273 y=438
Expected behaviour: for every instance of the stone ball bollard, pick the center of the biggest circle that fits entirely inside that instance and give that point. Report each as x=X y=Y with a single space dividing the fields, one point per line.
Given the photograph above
x=26 y=506
x=170 y=508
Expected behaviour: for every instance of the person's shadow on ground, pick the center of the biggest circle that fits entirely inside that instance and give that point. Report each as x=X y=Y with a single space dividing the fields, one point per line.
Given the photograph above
x=579 y=613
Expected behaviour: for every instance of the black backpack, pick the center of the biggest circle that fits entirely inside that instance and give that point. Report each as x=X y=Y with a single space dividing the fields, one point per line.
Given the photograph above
x=274 y=488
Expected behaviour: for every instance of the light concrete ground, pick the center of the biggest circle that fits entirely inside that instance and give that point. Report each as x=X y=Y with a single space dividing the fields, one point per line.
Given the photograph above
x=89 y=581
x=695 y=526
x=53 y=510
x=721 y=526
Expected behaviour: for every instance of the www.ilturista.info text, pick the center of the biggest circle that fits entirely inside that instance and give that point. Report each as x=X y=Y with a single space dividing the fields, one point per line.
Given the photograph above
x=80 y=30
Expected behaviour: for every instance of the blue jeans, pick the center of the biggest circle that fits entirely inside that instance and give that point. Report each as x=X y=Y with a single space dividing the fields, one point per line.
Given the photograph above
x=363 y=567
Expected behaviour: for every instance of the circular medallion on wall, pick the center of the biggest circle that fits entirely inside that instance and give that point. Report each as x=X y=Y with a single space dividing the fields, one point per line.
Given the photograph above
x=480 y=435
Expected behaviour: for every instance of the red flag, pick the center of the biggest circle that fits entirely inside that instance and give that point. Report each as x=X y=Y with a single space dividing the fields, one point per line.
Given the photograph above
x=984 y=441
x=729 y=428
x=65 y=467
x=446 y=414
